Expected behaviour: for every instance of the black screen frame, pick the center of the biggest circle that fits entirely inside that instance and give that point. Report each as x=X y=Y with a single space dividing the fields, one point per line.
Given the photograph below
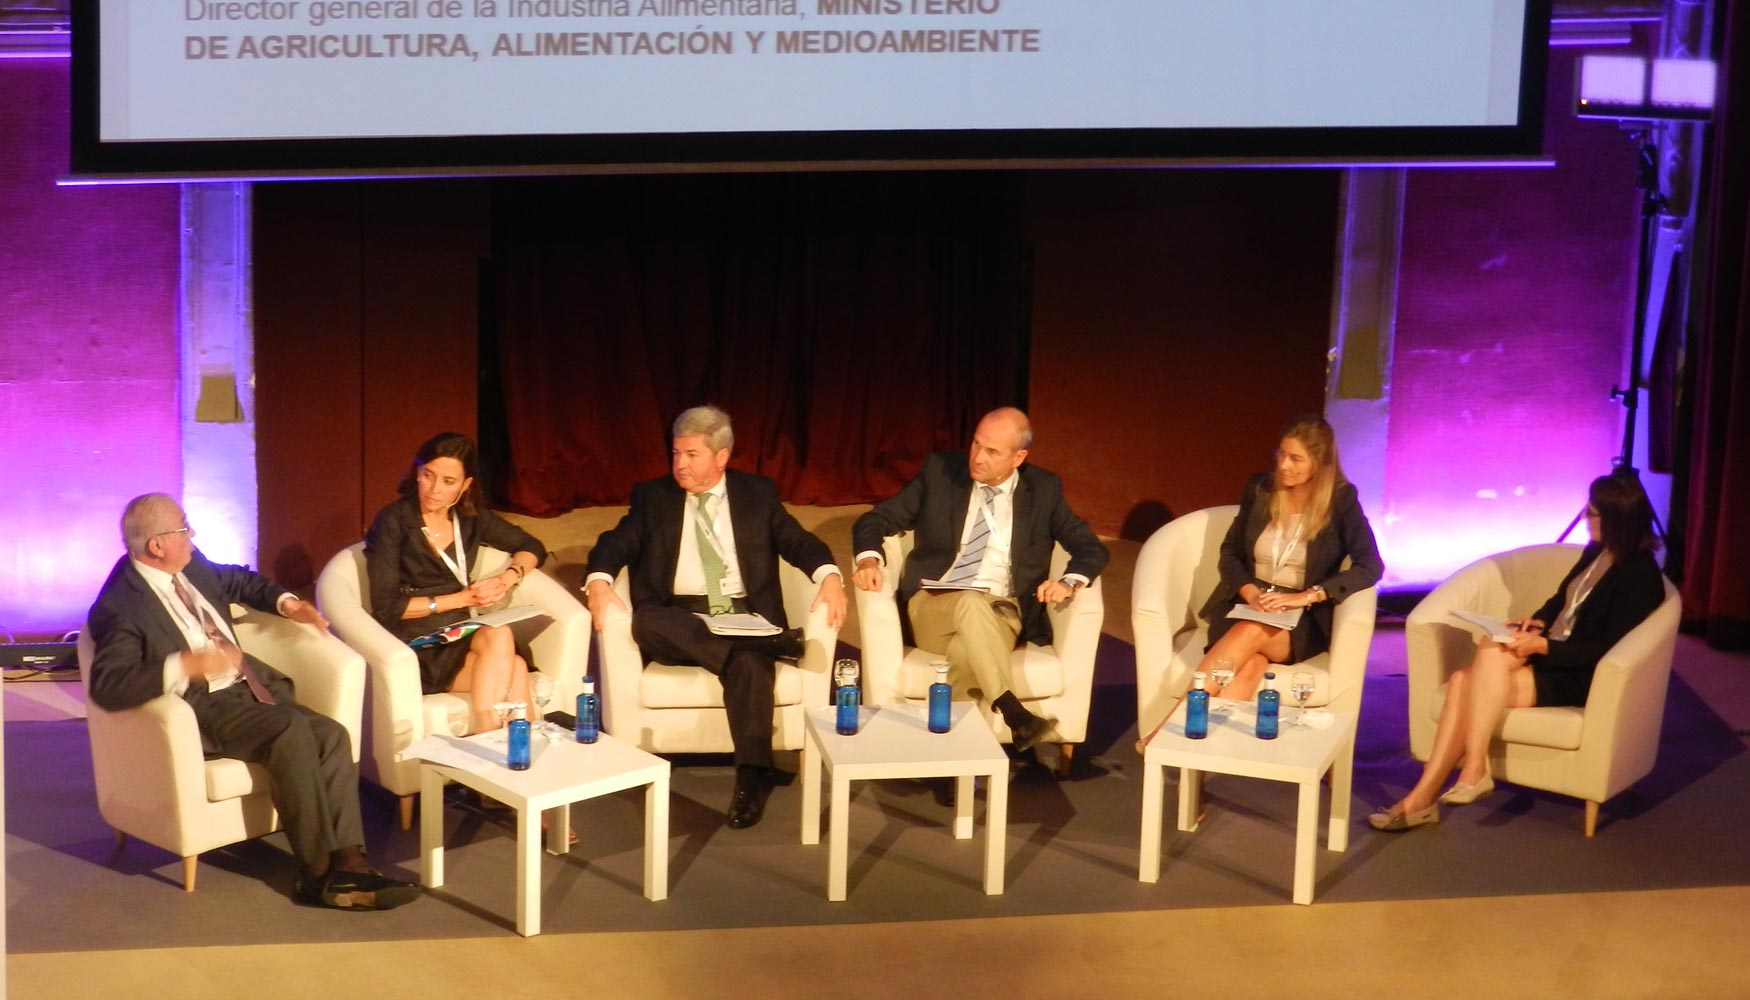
x=94 y=160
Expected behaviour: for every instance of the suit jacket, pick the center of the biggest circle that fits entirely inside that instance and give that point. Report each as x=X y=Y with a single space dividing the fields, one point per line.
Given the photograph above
x=1623 y=597
x=1346 y=534
x=133 y=632
x=648 y=540
x=402 y=565
x=935 y=504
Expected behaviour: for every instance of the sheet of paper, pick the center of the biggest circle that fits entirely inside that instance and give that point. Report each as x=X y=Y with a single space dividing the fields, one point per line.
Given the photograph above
x=459 y=753
x=1492 y=626
x=747 y=623
x=1280 y=619
x=939 y=585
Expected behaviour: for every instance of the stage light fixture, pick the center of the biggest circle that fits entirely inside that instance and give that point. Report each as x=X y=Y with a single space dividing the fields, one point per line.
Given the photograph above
x=1630 y=88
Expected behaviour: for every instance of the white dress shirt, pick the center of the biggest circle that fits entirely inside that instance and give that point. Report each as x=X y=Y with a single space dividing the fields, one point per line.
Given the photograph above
x=175 y=679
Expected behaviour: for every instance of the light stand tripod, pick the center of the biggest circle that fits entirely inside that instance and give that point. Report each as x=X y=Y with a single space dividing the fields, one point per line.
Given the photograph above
x=1652 y=203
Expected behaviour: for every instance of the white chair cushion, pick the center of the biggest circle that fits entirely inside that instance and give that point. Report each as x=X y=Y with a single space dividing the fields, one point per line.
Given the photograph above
x=447 y=713
x=1555 y=726
x=1037 y=673
x=664 y=685
x=229 y=778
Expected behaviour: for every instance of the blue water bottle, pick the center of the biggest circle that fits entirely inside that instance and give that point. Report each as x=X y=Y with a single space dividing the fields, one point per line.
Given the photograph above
x=940 y=697
x=1269 y=703
x=518 y=754
x=1197 y=709
x=589 y=713
x=847 y=698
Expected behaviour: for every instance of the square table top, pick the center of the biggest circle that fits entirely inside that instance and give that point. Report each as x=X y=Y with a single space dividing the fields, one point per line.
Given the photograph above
x=895 y=741
x=1233 y=747
x=565 y=771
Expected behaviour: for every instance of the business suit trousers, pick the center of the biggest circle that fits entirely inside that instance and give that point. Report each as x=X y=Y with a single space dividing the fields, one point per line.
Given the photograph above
x=308 y=757
x=674 y=634
x=975 y=631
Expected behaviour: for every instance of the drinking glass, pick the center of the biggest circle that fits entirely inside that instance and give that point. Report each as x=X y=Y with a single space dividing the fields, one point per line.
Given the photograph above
x=1222 y=672
x=1301 y=686
x=502 y=709
x=541 y=689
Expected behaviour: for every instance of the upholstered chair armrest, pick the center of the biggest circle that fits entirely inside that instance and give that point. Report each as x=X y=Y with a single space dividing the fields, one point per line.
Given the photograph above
x=1075 y=636
x=1351 y=640
x=328 y=674
x=820 y=643
x=151 y=754
x=561 y=649
x=883 y=646
x=1619 y=739
x=622 y=667
x=397 y=703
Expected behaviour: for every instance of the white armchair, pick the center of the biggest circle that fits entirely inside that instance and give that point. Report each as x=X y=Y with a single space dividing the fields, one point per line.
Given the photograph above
x=1591 y=753
x=153 y=779
x=1055 y=681
x=399 y=714
x=1176 y=571
x=665 y=708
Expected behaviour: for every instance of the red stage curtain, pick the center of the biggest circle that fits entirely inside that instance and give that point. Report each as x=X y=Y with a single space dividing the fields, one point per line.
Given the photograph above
x=849 y=323
x=1716 y=587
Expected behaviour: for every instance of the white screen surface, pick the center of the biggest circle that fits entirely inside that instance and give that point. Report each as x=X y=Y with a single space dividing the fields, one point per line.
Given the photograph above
x=178 y=70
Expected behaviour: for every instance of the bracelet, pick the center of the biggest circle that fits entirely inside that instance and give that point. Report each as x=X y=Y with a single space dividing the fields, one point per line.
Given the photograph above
x=519 y=571
x=431 y=605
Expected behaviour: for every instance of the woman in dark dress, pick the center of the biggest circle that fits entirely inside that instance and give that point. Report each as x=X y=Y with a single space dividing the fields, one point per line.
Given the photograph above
x=1285 y=550
x=1613 y=587
x=418 y=553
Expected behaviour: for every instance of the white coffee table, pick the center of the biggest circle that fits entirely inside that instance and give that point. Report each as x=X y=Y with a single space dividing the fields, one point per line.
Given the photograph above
x=559 y=774
x=1301 y=756
x=894 y=741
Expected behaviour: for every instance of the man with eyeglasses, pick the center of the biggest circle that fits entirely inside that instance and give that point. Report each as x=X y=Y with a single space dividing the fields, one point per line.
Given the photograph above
x=162 y=625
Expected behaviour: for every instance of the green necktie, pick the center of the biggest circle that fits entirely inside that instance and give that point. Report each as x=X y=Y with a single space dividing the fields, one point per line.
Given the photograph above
x=710 y=559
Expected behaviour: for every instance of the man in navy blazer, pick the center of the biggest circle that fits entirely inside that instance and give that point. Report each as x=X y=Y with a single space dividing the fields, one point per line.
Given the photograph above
x=706 y=540
x=985 y=524
x=162 y=625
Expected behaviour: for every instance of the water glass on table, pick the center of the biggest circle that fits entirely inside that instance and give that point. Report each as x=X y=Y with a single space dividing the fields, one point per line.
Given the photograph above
x=1222 y=673
x=1301 y=687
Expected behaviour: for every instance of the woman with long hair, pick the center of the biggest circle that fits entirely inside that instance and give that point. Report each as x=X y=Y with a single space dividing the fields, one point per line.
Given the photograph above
x=1550 y=660
x=1285 y=550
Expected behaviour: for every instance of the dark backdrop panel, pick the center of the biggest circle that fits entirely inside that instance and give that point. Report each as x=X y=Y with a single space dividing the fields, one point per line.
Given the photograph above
x=850 y=324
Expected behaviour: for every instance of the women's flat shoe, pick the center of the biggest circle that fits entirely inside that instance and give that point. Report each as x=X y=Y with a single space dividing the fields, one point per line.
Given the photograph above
x=1463 y=794
x=1395 y=820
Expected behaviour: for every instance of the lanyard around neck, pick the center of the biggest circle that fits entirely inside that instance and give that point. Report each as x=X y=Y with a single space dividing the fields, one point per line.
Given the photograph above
x=1280 y=551
x=459 y=568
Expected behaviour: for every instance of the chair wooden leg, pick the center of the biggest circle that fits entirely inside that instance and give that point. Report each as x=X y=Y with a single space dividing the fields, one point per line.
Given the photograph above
x=188 y=864
x=1591 y=818
x=1065 y=758
x=406 y=812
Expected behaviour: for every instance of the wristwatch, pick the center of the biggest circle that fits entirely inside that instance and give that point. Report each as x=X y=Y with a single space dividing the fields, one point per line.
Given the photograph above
x=431 y=605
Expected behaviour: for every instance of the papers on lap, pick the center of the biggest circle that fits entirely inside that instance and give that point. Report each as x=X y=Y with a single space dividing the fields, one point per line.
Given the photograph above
x=1492 y=626
x=1279 y=619
x=739 y=624
x=461 y=630
x=942 y=585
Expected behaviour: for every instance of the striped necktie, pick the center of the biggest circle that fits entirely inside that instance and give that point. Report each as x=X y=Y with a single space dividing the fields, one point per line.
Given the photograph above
x=965 y=568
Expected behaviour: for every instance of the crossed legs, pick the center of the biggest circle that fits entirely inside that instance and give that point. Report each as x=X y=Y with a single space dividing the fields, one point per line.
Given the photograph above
x=492 y=672
x=1476 y=695
x=1251 y=647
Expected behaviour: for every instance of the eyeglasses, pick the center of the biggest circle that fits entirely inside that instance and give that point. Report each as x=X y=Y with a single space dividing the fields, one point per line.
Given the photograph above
x=1593 y=512
x=184 y=530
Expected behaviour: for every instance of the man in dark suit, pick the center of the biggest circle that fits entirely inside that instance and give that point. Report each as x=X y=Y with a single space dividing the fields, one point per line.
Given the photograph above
x=162 y=625
x=706 y=540
x=985 y=525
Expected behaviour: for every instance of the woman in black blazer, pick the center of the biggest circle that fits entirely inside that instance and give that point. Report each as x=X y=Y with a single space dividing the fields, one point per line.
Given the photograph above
x=1613 y=587
x=418 y=553
x=1285 y=550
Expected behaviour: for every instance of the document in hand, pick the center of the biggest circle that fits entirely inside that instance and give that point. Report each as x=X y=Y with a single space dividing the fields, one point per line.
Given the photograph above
x=740 y=624
x=1492 y=626
x=463 y=629
x=1280 y=619
x=941 y=585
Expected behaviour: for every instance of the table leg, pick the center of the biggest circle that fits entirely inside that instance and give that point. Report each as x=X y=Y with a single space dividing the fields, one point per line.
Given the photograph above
x=838 y=837
x=656 y=839
x=558 y=829
x=1342 y=775
x=996 y=830
x=528 y=872
x=1148 y=867
x=1190 y=798
x=810 y=790
x=965 y=789
x=1306 y=840
x=431 y=827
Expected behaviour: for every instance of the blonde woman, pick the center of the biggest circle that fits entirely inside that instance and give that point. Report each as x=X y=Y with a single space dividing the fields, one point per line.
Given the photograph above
x=1285 y=550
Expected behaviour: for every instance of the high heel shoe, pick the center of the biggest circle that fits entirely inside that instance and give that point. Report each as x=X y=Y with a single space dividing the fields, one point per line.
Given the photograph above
x=1395 y=820
x=1463 y=794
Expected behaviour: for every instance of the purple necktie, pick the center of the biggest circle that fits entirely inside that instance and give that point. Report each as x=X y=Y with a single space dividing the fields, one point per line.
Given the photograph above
x=217 y=636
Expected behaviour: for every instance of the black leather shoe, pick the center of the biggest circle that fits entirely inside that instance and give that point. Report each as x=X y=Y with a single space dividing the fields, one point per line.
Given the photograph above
x=340 y=890
x=787 y=645
x=748 y=803
x=1034 y=731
